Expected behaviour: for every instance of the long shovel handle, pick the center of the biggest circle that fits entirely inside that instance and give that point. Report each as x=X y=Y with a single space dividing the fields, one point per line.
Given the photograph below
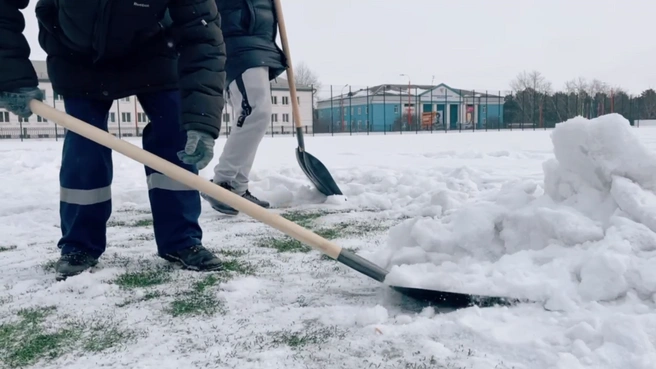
x=296 y=112
x=183 y=176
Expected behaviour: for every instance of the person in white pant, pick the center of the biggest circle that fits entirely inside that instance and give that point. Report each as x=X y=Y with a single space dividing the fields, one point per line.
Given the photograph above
x=253 y=60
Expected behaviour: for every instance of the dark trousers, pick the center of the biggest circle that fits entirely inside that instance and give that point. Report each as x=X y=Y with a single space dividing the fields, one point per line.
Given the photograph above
x=86 y=175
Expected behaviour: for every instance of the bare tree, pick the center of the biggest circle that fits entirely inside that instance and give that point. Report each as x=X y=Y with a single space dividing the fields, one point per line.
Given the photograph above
x=531 y=80
x=530 y=90
x=306 y=76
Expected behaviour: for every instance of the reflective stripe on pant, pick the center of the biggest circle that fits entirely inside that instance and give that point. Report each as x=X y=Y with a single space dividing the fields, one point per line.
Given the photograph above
x=250 y=99
x=175 y=207
x=86 y=176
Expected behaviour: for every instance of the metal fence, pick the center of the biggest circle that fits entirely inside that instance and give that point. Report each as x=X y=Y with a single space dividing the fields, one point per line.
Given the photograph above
x=399 y=109
x=56 y=132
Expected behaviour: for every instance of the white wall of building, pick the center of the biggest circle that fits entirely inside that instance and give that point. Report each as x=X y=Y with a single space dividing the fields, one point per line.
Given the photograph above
x=132 y=119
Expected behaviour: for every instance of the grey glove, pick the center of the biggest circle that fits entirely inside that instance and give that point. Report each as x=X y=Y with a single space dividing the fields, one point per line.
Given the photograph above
x=18 y=102
x=199 y=149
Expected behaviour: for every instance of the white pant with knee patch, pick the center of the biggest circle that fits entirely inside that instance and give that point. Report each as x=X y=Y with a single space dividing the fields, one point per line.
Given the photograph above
x=250 y=98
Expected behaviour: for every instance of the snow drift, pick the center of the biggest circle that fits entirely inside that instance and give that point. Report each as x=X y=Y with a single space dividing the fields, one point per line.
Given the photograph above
x=588 y=233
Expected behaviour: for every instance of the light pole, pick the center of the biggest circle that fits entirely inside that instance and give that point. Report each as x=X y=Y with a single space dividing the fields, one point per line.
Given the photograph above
x=409 y=100
x=341 y=105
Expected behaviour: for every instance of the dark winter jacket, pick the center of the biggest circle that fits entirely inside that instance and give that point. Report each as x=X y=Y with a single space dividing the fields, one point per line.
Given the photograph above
x=250 y=28
x=16 y=71
x=109 y=49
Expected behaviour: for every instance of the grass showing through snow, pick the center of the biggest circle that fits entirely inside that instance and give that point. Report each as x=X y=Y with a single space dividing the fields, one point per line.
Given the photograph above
x=309 y=220
x=7 y=248
x=28 y=339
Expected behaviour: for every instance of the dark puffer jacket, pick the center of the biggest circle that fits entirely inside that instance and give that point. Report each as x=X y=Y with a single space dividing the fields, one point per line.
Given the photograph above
x=250 y=28
x=109 y=49
x=16 y=71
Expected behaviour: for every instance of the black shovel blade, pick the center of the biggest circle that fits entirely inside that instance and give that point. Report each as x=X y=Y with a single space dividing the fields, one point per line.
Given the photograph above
x=423 y=297
x=317 y=173
x=455 y=300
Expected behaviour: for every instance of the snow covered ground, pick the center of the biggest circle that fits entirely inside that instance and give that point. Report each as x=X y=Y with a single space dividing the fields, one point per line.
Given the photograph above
x=568 y=221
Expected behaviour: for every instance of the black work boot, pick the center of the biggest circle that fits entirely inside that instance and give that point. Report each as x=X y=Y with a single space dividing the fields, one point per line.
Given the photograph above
x=73 y=264
x=224 y=208
x=195 y=258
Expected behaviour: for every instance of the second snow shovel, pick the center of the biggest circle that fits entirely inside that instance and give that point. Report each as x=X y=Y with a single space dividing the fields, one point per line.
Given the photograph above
x=311 y=166
x=443 y=299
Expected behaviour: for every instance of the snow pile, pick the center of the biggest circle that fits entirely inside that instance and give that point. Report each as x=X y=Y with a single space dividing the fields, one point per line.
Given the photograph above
x=586 y=234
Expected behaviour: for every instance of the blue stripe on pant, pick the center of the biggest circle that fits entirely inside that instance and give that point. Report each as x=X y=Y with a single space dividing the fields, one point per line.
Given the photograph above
x=86 y=176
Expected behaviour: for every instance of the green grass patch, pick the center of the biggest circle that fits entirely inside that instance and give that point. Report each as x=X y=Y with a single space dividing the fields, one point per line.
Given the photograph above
x=142 y=223
x=238 y=267
x=49 y=265
x=27 y=341
x=209 y=281
x=308 y=336
x=147 y=222
x=284 y=244
x=146 y=297
x=349 y=229
x=194 y=304
x=199 y=300
x=303 y=218
x=141 y=279
x=8 y=248
x=105 y=335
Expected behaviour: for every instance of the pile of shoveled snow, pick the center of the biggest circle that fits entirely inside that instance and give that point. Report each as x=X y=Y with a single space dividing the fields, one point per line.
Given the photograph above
x=583 y=243
x=586 y=234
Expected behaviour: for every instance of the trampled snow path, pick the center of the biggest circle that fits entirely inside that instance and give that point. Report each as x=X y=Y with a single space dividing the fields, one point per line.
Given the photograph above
x=470 y=203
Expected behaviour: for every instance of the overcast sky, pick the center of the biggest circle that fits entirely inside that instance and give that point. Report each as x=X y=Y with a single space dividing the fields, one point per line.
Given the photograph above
x=470 y=44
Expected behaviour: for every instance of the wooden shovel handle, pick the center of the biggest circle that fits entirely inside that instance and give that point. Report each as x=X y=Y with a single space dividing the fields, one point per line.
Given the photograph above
x=296 y=113
x=183 y=176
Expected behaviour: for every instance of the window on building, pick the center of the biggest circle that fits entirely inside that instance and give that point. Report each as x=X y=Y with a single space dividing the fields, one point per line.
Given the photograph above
x=142 y=118
x=359 y=110
x=4 y=117
x=40 y=119
x=126 y=99
x=366 y=109
x=285 y=100
x=126 y=117
x=396 y=109
x=285 y=117
x=112 y=117
x=274 y=117
x=57 y=96
x=226 y=117
x=274 y=100
x=23 y=120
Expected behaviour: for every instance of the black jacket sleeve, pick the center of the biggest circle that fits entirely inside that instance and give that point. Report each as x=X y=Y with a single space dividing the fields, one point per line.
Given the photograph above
x=16 y=70
x=201 y=63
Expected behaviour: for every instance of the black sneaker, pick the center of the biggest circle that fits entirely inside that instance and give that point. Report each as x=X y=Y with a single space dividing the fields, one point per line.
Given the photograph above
x=73 y=264
x=195 y=258
x=250 y=197
x=224 y=208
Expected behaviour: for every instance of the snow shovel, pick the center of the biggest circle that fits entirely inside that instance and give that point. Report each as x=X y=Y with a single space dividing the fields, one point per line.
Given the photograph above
x=311 y=166
x=442 y=299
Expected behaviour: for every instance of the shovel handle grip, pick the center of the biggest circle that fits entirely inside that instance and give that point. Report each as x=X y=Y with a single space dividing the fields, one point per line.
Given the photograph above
x=187 y=178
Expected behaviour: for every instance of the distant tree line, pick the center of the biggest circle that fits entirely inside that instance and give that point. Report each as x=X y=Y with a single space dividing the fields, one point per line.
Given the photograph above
x=534 y=101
